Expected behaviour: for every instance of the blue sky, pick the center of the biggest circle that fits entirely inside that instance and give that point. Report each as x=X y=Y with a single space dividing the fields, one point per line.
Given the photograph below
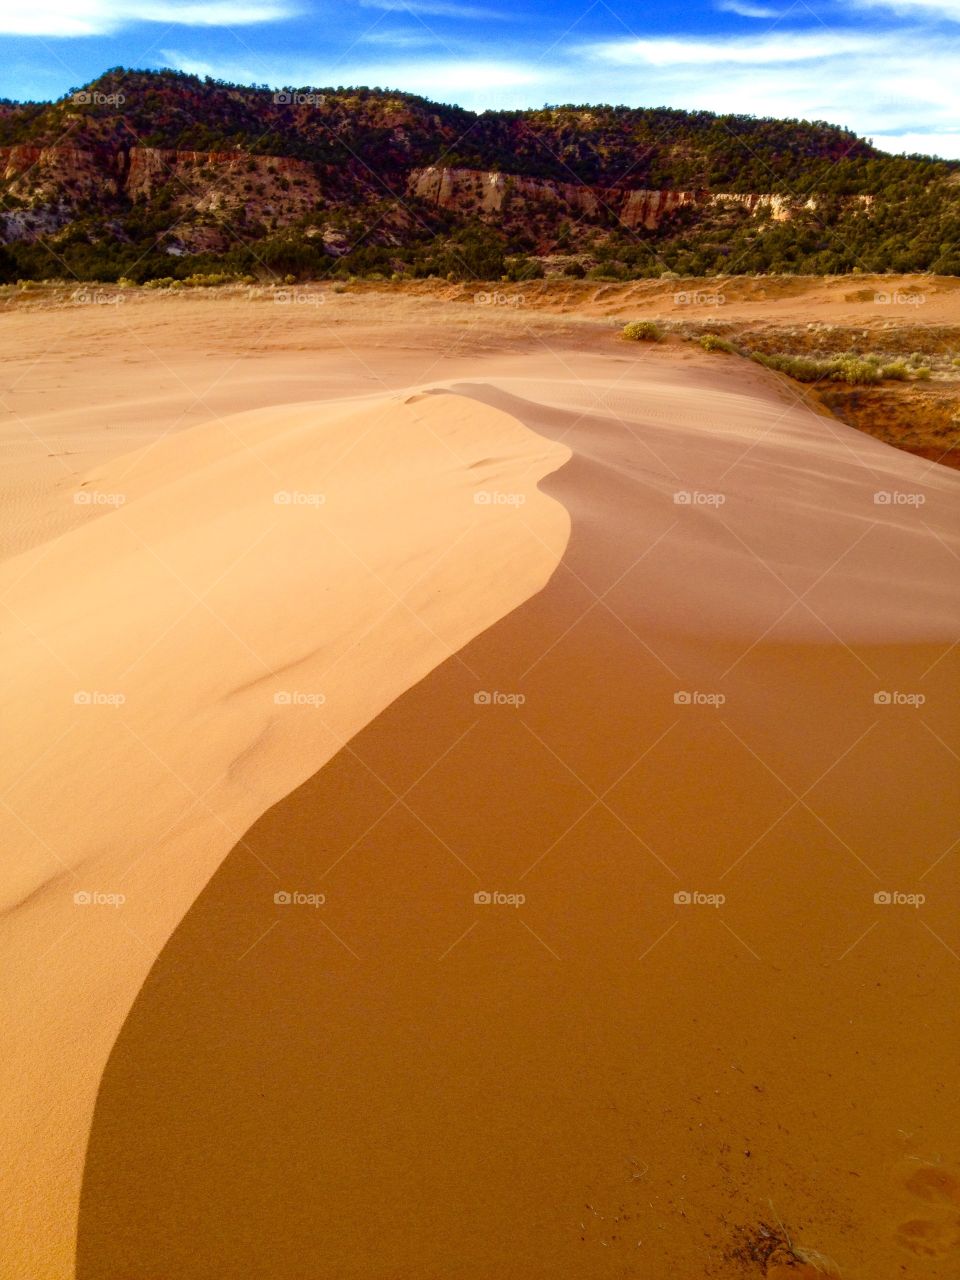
x=886 y=68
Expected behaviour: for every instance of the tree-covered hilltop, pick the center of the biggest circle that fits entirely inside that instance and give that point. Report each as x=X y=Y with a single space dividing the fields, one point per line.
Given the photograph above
x=156 y=173
x=601 y=145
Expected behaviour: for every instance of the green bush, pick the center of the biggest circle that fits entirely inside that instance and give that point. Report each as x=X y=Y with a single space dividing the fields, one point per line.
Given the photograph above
x=855 y=370
x=642 y=331
x=713 y=342
x=802 y=368
x=205 y=279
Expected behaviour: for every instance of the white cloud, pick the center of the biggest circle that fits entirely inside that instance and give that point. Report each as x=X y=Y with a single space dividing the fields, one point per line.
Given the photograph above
x=745 y=10
x=666 y=51
x=432 y=8
x=399 y=39
x=59 y=18
x=891 y=83
x=949 y=10
x=945 y=145
x=473 y=82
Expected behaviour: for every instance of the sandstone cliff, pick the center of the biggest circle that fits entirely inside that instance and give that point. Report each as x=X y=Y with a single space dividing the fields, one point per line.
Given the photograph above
x=487 y=193
x=45 y=187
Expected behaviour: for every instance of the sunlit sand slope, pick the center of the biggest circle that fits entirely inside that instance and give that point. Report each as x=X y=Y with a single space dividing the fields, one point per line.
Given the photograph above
x=624 y=943
x=243 y=597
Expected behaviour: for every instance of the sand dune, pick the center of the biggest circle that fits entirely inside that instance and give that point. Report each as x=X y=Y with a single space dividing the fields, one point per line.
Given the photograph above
x=645 y=664
x=174 y=666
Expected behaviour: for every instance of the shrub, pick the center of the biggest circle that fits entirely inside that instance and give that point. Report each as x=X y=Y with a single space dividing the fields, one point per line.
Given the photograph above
x=202 y=279
x=852 y=369
x=855 y=370
x=802 y=368
x=713 y=342
x=520 y=267
x=642 y=331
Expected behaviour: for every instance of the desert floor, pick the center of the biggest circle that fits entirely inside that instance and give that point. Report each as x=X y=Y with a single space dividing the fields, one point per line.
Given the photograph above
x=479 y=798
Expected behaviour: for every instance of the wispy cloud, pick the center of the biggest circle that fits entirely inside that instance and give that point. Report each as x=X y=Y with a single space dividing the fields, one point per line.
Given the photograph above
x=433 y=8
x=885 y=85
x=64 y=18
x=399 y=39
x=945 y=144
x=799 y=46
x=746 y=10
x=947 y=10
x=469 y=81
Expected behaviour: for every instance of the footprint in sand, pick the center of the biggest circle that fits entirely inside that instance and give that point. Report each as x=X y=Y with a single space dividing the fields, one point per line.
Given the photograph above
x=930 y=1182
x=929 y=1239
x=924 y=1236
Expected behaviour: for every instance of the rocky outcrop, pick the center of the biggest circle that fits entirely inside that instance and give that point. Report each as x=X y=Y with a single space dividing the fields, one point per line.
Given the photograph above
x=476 y=191
x=473 y=191
x=647 y=208
x=207 y=181
x=479 y=192
x=52 y=182
x=213 y=195
x=50 y=174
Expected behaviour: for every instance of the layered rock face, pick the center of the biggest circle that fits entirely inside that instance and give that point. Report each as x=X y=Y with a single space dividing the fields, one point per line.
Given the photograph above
x=52 y=174
x=230 y=185
x=212 y=196
x=479 y=192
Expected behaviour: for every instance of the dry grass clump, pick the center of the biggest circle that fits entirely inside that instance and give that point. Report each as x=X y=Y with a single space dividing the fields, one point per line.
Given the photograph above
x=713 y=342
x=853 y=369
x=642 y=331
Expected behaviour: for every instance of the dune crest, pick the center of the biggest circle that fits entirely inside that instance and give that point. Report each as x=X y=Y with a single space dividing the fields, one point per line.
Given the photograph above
x=255 y=590
x=612 y=991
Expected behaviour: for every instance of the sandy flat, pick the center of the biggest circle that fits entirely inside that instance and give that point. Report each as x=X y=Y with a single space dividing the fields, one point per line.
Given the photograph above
x=677 y=693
